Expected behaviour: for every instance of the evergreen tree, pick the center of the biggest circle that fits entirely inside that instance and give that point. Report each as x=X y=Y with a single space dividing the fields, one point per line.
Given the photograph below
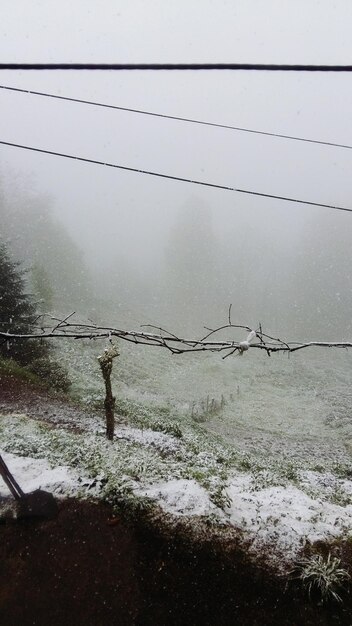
x=17 y=312
x=191 y=267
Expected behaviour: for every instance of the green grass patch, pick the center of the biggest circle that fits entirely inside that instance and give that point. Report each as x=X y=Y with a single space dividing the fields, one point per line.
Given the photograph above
x=11 y=369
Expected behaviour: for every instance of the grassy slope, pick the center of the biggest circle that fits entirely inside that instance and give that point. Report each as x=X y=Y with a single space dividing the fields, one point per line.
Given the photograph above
x=274 y=427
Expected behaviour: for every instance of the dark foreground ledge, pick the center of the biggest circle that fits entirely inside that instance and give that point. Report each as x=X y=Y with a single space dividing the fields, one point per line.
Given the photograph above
x=90 y=567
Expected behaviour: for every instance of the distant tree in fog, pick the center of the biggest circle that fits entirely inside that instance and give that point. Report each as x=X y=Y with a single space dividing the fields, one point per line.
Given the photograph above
x=42 y=242
x=322 y=285
x=191 y=264
x=42 y=287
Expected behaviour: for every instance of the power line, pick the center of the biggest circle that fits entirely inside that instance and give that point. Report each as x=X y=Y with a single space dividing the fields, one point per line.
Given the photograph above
x=268 y=67
x=173 y=117
x=178 y=178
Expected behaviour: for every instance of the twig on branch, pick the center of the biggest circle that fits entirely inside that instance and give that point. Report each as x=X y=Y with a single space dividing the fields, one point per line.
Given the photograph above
x=162 y=330
x=216 y=330
x=62 y=322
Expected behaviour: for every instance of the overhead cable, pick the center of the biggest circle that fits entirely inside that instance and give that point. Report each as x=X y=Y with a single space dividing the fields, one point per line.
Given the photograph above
x=268 y=67
x=178 y=178
x=173 y=117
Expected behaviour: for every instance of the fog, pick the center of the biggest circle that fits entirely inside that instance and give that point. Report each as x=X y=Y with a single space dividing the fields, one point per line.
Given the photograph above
x=169 y=252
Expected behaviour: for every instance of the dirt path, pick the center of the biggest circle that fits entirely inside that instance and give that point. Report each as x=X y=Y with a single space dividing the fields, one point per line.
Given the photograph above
x=21 y=397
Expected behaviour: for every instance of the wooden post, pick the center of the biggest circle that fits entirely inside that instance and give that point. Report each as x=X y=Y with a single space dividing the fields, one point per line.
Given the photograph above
x=105 y=362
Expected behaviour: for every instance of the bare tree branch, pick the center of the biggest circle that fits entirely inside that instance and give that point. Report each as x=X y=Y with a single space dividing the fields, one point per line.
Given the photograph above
x=63 y=329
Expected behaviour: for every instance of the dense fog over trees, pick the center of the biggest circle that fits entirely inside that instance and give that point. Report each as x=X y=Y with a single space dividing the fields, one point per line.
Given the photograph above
x=294 y=280
x=56 y=270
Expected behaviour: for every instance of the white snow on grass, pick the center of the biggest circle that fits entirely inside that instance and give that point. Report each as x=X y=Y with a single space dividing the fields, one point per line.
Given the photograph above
x=148 y=437
x=281 y=519
x=275 y=512
x=330 y=484
x=180 y=497
x=33 y=474
x=284 y=518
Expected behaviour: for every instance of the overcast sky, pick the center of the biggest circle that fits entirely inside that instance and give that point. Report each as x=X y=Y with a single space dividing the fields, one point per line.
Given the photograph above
x=314 y=31
x=138 y=210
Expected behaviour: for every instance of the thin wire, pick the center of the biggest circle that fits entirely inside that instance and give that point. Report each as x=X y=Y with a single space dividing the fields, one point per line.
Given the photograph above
x=268 y=67
x=172 y=117
x=178 y=178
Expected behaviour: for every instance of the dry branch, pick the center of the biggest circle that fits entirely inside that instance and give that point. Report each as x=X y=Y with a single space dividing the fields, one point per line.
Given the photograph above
x=64 y=329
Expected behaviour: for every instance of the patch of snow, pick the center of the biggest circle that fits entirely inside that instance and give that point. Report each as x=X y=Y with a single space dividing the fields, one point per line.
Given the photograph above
x=284 y=518
x=180 y=497
x=326 y=483
x=148 y=437
x=346 y=485
x=207 y=459
x=34 y=474
x=277 y=520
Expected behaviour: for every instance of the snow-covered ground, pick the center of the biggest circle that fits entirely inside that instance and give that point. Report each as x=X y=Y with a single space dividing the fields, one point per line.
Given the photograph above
x=34 y=474
x=281 y=519
x=305 y=395
x=259 y=445
x=276 y=508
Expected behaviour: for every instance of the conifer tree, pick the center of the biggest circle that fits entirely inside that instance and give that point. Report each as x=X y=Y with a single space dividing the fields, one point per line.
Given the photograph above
x=17 y=312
